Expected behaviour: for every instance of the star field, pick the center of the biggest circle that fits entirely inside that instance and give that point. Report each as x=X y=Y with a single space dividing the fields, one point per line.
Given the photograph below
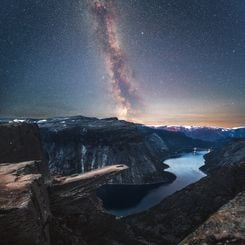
x=184 y=59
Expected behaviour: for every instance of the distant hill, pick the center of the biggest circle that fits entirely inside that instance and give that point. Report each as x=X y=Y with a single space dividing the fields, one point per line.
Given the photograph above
x=207 y=133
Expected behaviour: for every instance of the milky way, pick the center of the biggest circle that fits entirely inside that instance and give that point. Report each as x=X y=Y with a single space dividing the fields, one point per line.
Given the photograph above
x=156 y=62
x=123 y=89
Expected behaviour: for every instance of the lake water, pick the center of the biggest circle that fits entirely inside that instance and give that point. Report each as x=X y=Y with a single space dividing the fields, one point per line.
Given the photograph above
x=121 y=200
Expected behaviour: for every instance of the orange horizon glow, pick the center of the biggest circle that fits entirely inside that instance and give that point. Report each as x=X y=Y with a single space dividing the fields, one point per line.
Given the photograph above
x=195 y=124
x=203 y=123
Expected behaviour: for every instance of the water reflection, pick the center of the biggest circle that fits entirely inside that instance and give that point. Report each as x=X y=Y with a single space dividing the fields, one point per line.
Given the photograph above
x=122 y=200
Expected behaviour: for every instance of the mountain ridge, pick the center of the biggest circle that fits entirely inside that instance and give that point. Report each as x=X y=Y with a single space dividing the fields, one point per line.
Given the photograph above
x=212 y=134
x=79 y=144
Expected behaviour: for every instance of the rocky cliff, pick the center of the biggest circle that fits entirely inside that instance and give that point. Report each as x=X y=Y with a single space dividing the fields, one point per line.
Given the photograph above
x=21 y=142
x=226 y=226
x=79 y=216
x=80 y=144
x=181 y=213
x=230 y=154
x=24 y=204
x=35 y=209
x=178 y=215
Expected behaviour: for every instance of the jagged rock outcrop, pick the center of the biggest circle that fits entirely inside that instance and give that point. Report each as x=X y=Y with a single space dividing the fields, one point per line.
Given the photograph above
x=65 y=212
x=80 y=144
x=24 y=204
x=230 y=154
x=79 y=216
x=226 y=226
x=36 y=210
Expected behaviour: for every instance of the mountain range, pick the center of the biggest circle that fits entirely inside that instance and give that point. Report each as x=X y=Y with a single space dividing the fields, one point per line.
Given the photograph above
x=212 y=134
x=38 y=206
x=79 y=144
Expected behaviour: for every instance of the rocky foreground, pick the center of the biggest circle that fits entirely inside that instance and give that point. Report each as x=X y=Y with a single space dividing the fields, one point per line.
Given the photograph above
x=181 y=213
x=37 y=208
x=31 y=202
x=24 y=204
x=226 y=226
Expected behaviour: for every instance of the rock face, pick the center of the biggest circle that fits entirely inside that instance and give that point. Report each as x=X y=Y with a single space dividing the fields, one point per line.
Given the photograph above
x=79 y=217
x=179 y=214
x=232 y=153
x=80 y=144
x=226 y=226
x=24 y=204
x=36 y=210
x=20 y=142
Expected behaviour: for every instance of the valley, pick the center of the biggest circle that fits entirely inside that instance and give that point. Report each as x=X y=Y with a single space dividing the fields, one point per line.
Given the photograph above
x=46 y=192
x=124 y=200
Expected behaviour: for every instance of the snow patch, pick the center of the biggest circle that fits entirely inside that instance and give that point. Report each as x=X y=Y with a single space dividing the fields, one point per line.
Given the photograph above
x=18 y=120
x=83 y=153
x=42 y=121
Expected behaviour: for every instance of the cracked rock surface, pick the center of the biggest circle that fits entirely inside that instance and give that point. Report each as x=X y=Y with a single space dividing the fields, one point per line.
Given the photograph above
x=226 y=226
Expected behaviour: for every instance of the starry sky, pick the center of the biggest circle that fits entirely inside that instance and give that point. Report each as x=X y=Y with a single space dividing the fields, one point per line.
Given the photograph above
x=178 y=62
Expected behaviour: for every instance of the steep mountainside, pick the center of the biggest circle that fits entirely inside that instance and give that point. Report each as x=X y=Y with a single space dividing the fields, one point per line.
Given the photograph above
x=20 y=142
x=35 y=209
x=181 y=213
x=79 y=144
x=232 y=153
x=82 y=144
x=24 y=203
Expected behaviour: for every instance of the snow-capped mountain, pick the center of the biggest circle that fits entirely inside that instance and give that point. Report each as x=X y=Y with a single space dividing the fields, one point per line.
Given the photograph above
x=207 y=133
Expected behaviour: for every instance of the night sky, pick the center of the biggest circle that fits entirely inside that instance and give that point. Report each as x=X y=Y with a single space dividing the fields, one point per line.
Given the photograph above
x=178 y=62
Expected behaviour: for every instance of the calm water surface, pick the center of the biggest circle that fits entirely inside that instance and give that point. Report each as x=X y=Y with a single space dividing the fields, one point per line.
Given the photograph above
x=186 y=168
